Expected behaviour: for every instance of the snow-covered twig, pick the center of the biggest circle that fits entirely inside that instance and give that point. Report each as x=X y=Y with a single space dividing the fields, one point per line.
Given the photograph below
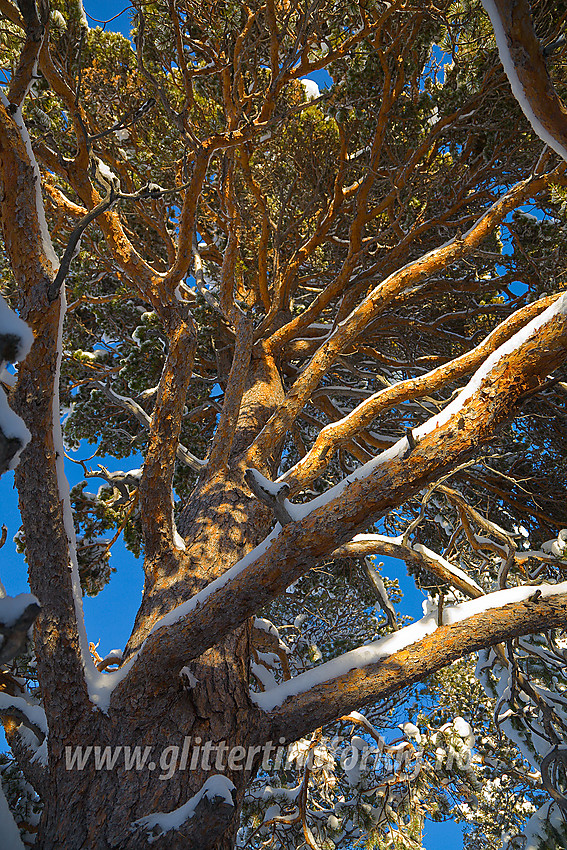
x=17 y=616
x=271 y=494
x=364 y=545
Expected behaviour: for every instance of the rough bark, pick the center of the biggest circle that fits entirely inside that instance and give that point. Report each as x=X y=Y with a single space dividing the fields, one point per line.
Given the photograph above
x=217 y=709
x=36 y=478
x=377 y=681
x=221 y=523
x=154 y=706
x=302 y=544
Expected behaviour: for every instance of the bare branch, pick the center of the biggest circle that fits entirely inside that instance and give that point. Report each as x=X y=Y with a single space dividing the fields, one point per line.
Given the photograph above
x=320 y=454
x=128 y=404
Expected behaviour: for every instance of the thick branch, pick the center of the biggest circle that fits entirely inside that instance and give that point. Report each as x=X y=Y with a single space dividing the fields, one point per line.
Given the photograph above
x=226 y=429
x=325 y=702
x=156 y=498
x=337 y=433
x=27 y=64
x=11 y=12
x=32 y=261
x=350 y=507
x=412 y=274
x=522 y=58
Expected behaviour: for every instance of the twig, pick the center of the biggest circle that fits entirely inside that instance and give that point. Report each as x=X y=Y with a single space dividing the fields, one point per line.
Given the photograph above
x=272 y=495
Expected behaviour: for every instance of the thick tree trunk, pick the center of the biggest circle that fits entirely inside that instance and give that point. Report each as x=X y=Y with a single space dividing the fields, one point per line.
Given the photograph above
x=97 y=809
x=211 y=706
x=94 y=809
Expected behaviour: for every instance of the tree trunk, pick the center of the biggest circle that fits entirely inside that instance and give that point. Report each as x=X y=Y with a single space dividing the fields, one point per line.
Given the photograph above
x=215 y=710
x=211 y=706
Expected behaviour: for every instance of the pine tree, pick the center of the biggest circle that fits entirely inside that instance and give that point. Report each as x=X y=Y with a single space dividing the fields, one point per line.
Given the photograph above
x=331 y=321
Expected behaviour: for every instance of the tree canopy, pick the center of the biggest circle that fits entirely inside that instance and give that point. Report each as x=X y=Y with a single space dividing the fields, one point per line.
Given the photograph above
x=321 y=323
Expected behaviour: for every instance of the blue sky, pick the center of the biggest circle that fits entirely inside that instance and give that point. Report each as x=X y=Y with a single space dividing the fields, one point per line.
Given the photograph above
x=103 y=10
x=108 y=616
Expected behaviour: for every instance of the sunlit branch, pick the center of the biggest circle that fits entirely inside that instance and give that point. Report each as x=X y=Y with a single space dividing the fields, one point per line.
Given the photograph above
x=375 y=681
x=11 y=12
x=352 y=506
x=365 y=545
x=263 y=243
x=406 y=278
x=364 y=414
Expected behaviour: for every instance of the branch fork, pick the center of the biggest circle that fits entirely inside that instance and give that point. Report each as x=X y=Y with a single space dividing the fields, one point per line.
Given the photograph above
x=271 y=494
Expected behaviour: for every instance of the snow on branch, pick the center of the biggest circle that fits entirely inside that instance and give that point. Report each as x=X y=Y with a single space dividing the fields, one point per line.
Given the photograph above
x=216 y=793
x=31 y=715
x=400 y=282
x=378 y=587
x=17 y=616
x=363 y=497
x=319 y=455
x=522 y=57
x=118 y=480
x=271 y=494
x=363 y=545
x=16 y=340
x=378 y=650
x=128 y=404
x=45 y=238
x=376 y=670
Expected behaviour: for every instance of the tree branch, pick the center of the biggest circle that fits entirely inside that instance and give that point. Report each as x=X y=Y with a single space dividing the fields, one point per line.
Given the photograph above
x=364 y=497
x=33 y=264
x=226 y=428
x=522 y=57
x=15 y=635
x=411 y=275
x=379 y=679
x=364 y=545
x=131 y=406
x=156 y=497
x=27 y=64
x=334 y=434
